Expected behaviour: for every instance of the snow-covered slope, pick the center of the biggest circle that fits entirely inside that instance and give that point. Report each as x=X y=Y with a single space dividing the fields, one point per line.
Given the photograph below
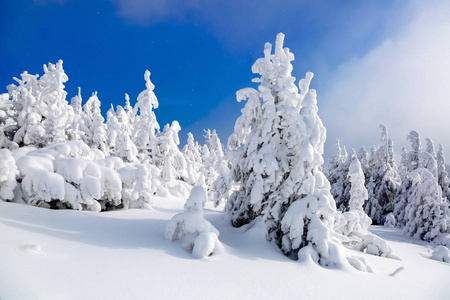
x=63 y=254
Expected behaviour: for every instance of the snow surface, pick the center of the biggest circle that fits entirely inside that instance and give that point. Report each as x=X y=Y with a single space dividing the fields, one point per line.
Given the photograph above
x=123 y=254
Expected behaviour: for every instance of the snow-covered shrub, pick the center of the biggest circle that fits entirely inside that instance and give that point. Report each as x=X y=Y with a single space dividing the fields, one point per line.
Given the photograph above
x=195 y=233
x=42 y=188
x=139 y=185
x=8 y=174
x=390 y=220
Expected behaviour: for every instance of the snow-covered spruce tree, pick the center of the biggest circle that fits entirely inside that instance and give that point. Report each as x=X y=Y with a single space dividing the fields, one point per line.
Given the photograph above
x=278 y=168
x=8 y=124
x=336 y=173
x=145 y=125
x=56 y=111
x=170 y=160
x=443 y=179
x=384 y=181
x=414 y=160
x=194 y=162
x=363 y=157
x=77 y=120
x=113 y=129
x=354 y=224
x=213 y=161
x=96 y=138
x=426 y=212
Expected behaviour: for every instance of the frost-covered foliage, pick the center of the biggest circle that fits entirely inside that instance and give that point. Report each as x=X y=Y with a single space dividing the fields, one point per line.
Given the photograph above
x=336 y=173
x=279 y=140
x=384 y=180
x=354 y=224
x=8 y=174
x=195 y=233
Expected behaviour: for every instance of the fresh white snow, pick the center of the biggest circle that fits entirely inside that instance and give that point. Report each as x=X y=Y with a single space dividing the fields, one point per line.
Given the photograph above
x=123 y=254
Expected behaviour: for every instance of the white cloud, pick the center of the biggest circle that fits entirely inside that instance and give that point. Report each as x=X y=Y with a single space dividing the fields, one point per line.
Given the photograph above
x=403 y=83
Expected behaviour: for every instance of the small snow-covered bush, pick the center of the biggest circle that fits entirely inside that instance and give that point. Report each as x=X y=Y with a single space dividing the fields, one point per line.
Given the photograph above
x=195 y=233
x=8 y=173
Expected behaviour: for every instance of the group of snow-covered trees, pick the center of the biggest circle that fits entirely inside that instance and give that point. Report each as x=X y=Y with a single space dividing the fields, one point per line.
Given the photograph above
x=60 y=155
x=413 y=195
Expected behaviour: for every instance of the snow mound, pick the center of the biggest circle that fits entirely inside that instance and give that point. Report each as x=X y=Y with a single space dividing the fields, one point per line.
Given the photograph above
x=441 y=253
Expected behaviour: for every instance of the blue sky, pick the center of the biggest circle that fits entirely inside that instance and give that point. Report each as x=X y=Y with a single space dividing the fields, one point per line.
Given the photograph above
x=200 y=53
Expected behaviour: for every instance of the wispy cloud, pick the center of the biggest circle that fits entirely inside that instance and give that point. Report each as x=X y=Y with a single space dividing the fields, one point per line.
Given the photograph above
x=402 y=83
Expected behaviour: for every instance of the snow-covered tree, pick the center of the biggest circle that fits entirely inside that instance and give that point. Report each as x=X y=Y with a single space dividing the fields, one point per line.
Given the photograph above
x=443 y=179
x=145 y=126
x=278 y=168
x=426 y=213
x=113 y=129
x=8 y=122
x=194 y=162
x=384 y=180
x=213 y=161
x=336 y=173
x=55 y=109
x=97 y=136
x=415 y=159
x=354 y=224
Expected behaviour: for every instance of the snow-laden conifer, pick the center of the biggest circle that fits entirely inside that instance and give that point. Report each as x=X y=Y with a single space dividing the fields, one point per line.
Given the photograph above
x=384 y=180
x=278 y=168
x=426 y=212
x=97 y=137
x=415 y=159
x=443 y=179
x=146 y=126
x=194 y=162
x=354 y=224
x=336 y=173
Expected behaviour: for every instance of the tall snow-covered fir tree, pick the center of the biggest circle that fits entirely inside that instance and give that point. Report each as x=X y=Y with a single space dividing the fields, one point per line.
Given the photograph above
x=97 y=137
x=146 y=126
x=384 y=180
x=43 y=114
x=443 y=179
x=279 y=140
x=336 y=173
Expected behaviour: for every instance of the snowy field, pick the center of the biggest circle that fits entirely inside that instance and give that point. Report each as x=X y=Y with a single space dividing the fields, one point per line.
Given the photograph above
x=123 y=254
